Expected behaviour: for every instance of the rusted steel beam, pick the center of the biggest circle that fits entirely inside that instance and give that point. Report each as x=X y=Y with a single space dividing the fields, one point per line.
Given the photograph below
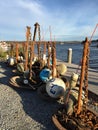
x=12 y=49
x=44 y=52
x=57 y=123
x=38 y=49
x=49 y=54
x=86 y=77
x=31 y=58
x=37 y=27
x=28 y=33
x=53 y=60
x=17 y=52
x=84 y=60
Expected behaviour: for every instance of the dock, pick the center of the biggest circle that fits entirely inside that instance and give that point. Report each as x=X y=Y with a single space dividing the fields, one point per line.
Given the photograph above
x=92 y=76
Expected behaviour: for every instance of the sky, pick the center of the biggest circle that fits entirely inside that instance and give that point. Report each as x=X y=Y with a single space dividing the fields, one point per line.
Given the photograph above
x=58 y=19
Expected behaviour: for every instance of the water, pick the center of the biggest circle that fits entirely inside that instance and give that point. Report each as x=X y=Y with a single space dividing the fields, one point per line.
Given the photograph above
x=77 y=52
x=62 y=51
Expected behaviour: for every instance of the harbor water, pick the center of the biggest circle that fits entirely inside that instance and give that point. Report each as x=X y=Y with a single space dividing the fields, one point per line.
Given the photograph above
x=77 y=52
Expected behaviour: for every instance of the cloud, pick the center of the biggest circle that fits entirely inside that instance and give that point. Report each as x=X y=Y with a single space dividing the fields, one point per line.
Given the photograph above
x=76 y=18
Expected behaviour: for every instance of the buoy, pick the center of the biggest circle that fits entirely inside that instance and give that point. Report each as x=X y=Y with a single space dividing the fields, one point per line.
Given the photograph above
x=74 y=79
x=45 y=75
x=11 y=61
x=20 y=67
x=55 y=88
x=72 y=99
x=61 y=69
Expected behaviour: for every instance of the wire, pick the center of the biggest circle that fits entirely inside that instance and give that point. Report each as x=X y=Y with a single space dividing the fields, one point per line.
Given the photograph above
x=93 y=33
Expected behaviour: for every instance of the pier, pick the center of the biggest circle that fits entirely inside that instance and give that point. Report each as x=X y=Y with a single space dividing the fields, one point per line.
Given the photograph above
x=92 y=77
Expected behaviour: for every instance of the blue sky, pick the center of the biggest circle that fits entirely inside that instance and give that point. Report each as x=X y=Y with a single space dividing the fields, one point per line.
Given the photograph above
x=68 y=19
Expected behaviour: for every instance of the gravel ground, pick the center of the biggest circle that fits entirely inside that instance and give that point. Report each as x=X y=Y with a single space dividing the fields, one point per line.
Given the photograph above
x=23 y=109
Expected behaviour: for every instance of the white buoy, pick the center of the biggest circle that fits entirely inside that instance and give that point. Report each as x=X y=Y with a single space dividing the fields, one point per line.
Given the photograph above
x=55 y=88
x=61 y=69
x=74 y=79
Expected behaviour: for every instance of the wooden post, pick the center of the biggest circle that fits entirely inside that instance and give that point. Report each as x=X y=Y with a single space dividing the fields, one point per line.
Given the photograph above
x=69 y=58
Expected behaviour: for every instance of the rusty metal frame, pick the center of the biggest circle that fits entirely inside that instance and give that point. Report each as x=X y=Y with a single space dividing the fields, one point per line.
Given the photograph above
x=28 y=36
x=84 y=73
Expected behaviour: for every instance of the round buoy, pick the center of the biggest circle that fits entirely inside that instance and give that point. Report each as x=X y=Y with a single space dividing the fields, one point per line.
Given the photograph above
x=74 y=79
x=11 y=61
x=61 y=69
x=20 y=67
x=72 y=99
x=55 y=88
x=45 y=75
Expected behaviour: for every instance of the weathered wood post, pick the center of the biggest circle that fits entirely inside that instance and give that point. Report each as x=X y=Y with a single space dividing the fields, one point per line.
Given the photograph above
x=69 y=57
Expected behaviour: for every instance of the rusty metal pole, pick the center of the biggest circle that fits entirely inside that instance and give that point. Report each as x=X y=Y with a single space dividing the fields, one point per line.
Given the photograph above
x=86 y=76
x=53 y=59
x=49 y=54
x=11 y=52
x=44 y=52
x=17 y=52
x=27 y=44
x=37 y=28
x=38 y=48
x=31 y=57
x=84 y=58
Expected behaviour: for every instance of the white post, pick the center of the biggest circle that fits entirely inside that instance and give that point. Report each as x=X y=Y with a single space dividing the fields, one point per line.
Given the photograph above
x=69 y=57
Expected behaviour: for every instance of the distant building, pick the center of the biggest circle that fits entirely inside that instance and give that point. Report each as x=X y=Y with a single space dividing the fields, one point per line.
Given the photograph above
x=4 y=46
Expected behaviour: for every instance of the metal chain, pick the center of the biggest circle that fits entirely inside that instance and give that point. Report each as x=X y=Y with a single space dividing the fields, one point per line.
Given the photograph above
x=86 y=78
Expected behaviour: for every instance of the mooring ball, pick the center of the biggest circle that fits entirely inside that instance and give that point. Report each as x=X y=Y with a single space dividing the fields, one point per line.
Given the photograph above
x=11 y=61
x=26 y=74
x=20 y=67
x=61 y=69
x=55 y=88
x=25 y=81
x=45 y=75
x=74 y=76
x=74 y=79
x=73 y=96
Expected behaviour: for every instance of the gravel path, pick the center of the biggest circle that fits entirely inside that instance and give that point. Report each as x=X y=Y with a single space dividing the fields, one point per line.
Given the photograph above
x=23 y=109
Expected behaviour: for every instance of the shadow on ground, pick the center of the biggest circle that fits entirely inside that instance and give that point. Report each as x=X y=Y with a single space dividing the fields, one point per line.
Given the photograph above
x=40 y=111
